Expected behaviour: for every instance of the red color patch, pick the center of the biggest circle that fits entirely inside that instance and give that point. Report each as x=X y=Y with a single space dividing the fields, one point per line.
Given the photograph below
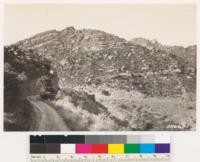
x=100 y=148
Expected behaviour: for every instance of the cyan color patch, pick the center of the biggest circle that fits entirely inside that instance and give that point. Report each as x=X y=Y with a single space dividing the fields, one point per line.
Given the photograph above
x=147 y=148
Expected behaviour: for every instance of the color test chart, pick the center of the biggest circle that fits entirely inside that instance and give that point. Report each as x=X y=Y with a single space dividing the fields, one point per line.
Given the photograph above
x=99 y=148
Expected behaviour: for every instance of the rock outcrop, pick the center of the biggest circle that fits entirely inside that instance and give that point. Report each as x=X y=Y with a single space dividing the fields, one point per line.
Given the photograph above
x=92 y=57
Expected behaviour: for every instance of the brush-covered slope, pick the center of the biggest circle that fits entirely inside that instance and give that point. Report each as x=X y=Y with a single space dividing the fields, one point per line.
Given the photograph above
x=25 y=75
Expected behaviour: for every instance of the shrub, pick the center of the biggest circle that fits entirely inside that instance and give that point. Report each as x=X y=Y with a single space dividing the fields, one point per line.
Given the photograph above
x=106 y=93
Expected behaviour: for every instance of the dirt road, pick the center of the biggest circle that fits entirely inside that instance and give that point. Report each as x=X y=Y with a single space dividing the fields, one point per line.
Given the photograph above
x=47 y=119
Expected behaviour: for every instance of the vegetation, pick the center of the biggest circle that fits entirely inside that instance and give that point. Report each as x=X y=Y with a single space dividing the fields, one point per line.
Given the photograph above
x=22 y=74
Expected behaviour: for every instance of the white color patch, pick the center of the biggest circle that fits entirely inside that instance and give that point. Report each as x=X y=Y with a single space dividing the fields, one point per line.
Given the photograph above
x=68 y=148
x=162 y=138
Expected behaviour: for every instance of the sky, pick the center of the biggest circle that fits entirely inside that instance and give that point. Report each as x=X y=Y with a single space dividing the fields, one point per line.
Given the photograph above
x=170 y=24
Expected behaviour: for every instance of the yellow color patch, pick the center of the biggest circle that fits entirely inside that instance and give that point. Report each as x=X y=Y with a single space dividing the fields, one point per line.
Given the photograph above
x=115 y=148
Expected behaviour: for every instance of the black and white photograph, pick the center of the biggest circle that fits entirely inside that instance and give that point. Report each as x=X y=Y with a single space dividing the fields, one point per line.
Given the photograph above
x=100 y=67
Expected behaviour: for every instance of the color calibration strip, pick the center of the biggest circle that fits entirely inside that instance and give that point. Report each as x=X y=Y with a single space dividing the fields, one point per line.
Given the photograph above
x=100 y=144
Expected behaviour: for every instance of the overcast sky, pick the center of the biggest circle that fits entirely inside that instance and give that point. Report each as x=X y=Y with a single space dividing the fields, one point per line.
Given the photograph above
x=171 y=24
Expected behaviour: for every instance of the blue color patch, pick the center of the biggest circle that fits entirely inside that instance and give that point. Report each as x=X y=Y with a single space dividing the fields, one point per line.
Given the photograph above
x=147 y=148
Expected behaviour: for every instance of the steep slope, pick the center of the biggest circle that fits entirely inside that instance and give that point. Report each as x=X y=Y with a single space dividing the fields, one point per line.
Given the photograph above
x=185 y=56
x=105 y=82
x=92 y=57
x=187 y=53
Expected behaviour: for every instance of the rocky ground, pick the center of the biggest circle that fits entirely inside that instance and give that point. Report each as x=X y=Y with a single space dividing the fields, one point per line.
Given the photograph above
x=98 y=81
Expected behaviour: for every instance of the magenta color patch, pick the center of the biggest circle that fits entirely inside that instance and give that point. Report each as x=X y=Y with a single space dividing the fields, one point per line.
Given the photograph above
x=83 y=148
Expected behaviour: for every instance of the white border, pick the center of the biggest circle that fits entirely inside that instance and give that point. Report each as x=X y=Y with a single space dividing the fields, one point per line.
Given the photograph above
x=100 y=1
x=180 y=139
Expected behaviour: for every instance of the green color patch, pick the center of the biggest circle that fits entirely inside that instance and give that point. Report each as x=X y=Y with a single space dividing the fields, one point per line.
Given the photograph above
x=131 y=148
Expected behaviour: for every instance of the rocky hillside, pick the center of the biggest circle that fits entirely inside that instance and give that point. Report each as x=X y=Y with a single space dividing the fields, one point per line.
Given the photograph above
x=98 y=81
x=187 y=53
x=95 y=58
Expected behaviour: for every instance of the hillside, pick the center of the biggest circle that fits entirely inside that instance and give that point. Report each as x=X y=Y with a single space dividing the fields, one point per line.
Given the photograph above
x=187 y=53
x=99 y=81
x=92 y=57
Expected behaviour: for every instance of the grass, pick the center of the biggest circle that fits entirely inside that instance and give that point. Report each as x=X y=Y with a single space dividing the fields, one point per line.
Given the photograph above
x=124 y=111
x=81 y=112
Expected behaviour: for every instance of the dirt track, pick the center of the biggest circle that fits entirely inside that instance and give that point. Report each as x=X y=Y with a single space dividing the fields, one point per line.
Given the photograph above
x=47 y=119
